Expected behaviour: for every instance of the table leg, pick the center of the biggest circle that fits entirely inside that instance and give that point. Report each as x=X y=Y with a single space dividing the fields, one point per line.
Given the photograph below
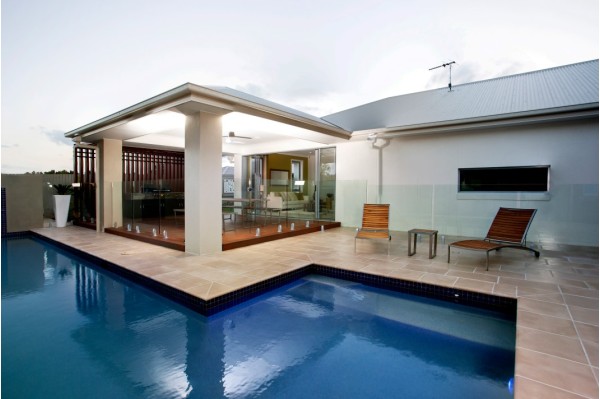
x=412 y=240
x=430 y=245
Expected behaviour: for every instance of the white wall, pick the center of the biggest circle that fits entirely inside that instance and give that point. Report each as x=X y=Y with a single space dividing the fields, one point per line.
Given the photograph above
x=420 y=176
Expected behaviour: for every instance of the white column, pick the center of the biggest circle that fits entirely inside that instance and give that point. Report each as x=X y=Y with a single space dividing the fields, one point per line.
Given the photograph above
x=110 y=175
x=203 y=206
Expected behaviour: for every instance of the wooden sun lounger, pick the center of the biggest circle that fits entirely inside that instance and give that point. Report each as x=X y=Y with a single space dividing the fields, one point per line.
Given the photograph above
x=508 y=230
x=375 y=223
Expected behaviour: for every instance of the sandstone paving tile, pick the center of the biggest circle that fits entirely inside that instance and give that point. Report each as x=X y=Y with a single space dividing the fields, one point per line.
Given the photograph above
x=575 y=283
x=473 y=276
x=571 y=276
x=171 y=275
x=188 y=282
x=531 y=292
x=237 y=281
x=584 y=315
x=585 y=292
x=428 y=269
x=587 y=332
x=547 y=297
x=505 y=290
x=216 y=290
x=557 y=372
x=155 y=270
x=552 y=344
x=438 y=279
x=474 y=285
x=264 y=273
x=500 y=273
x=462 y=268
x=529 y=389
x=530 y=284
x=541 y=276
x=295 y=263
x=583 y=302
x=544 y=308
x=198 y=290
x=593 y=261
x=591 y=349
x=545 y=323
x=403 y=274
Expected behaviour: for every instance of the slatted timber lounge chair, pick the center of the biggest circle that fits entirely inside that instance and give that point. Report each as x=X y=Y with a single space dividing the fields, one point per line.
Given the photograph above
x=375 y=223
x=508 y=230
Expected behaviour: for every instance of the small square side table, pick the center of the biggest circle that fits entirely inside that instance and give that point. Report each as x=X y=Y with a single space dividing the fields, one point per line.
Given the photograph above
x=412 y=239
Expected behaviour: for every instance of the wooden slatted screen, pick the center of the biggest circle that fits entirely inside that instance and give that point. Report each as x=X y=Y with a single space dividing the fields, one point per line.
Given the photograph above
x=84 y=173
x=146 y=168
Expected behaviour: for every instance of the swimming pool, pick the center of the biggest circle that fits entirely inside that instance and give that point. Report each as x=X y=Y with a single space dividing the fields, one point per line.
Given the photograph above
x=72 y=330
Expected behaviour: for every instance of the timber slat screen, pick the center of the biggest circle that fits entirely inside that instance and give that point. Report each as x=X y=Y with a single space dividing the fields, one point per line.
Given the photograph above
x=84 y=173
x=145 y=168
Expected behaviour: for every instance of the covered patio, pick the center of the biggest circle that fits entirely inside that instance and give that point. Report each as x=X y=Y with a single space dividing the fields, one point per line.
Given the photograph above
x=189 y=120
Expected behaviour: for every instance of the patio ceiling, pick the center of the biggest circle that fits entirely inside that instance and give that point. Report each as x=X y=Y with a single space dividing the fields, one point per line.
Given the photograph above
x=160 y=122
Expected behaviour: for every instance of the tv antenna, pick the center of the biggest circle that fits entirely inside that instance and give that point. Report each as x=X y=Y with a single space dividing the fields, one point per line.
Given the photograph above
x=448 y=64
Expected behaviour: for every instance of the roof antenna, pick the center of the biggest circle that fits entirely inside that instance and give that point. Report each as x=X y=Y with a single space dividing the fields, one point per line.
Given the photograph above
x=448 y=64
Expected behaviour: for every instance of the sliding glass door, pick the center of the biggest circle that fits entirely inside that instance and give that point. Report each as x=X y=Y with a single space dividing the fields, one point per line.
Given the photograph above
x=325 y=183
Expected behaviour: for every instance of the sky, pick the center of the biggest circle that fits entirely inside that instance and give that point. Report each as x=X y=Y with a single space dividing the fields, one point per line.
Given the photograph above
x=66 y=63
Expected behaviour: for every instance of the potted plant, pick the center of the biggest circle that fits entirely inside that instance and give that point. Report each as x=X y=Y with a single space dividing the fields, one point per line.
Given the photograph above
x=62 y=200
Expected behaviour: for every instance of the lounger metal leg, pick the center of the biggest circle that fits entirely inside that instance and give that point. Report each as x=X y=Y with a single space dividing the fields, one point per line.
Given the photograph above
x=448 y=253
x=487 y=260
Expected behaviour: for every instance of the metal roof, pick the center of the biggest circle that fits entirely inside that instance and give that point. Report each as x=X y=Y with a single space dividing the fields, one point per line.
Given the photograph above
x=566 y=88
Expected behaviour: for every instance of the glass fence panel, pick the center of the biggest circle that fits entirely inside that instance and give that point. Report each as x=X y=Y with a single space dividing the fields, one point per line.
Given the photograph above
x=568 y=214
x=352 y=195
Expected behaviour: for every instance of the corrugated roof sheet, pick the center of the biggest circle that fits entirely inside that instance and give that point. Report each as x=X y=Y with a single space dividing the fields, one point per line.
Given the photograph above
x=554 y=88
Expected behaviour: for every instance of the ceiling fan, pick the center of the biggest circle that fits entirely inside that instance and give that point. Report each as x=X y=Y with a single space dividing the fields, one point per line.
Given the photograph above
x=231 y=138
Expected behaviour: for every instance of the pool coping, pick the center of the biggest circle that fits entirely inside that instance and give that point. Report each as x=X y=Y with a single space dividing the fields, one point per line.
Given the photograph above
x=505 y=305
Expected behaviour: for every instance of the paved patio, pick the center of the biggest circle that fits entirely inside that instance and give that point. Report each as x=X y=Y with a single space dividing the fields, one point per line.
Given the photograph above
x=557 y=316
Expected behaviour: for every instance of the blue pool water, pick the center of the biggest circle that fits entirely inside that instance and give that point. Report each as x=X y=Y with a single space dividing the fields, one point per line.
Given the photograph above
x=70 y=330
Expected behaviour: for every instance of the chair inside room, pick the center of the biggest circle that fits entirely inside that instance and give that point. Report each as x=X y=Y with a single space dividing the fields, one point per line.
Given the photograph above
x=508 y=230
x=375 y=224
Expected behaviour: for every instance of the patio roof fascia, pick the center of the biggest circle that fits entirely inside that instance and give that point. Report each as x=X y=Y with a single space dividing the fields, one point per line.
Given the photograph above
x=581 y=111
x=190 y=98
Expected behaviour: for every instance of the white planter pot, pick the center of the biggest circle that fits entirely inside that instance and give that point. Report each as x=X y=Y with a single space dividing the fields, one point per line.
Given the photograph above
x=61 y=209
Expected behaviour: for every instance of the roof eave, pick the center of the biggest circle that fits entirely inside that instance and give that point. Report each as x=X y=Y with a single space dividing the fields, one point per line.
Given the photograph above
x=189 y=93
x=582 y=111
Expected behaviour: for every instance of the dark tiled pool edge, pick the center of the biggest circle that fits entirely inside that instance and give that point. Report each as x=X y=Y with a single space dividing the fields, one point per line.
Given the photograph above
x=218 y=304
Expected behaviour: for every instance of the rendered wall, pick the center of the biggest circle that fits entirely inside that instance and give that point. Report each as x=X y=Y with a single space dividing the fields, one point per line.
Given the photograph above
x=24 y=202
x=419 y=177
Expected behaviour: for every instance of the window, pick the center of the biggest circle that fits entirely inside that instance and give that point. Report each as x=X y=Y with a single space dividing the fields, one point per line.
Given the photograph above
x=504 y=179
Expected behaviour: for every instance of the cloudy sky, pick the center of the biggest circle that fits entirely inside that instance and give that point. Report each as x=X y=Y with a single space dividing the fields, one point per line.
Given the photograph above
x=66 y=63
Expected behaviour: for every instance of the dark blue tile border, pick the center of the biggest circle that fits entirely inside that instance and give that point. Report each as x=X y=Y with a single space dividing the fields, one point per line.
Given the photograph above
x=507 y=306
x=17 y=234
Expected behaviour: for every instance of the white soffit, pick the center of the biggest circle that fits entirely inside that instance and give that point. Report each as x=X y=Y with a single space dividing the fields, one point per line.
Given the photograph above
x=135 y=122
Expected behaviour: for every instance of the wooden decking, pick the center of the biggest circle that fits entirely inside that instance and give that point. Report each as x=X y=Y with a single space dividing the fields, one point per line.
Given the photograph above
x=234 y=236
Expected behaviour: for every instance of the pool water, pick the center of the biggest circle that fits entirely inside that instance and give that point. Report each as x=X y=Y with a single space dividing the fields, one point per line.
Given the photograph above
x=70 y=330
